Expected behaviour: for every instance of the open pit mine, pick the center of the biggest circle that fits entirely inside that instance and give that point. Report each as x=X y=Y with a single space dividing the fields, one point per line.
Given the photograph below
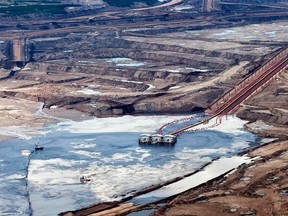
x=155 y=81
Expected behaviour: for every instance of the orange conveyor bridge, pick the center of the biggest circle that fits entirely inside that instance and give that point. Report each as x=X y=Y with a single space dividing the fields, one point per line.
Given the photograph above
x=256 y=80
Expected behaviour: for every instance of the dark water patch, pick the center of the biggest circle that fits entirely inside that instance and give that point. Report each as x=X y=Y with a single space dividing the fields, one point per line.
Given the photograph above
x=125 y=3
x=141 y=213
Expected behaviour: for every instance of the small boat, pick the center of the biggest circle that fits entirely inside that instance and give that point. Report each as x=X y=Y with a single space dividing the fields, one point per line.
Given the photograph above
x=84 y=179
x=37 y=147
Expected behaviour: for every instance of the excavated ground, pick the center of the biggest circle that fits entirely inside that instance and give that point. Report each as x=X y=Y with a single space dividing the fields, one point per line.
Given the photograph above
x=173 y=60
x=102 y=74
x=259 y=188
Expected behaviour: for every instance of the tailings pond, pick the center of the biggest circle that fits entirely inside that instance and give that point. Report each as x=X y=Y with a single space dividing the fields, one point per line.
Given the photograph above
x=107 y=151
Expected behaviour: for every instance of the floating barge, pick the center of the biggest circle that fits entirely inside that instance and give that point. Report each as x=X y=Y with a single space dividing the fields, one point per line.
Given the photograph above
x=84 y=180
x=155 y=139
x=38 y=148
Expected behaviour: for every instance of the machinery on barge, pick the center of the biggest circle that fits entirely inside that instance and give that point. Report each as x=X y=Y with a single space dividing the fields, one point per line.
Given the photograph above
x=155 y=139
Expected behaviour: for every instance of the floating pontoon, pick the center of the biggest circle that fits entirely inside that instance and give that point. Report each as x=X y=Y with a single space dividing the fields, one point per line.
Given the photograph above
x=144 y=139
x=157 y=139
x=169 y=139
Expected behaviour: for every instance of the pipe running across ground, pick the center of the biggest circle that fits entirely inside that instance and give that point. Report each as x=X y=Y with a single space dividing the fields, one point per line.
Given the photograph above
x=235 y=100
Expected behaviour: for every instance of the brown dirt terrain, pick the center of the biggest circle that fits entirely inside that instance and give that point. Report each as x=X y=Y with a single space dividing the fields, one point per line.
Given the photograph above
x=156 y=61
x=259 y=188
x=269 y=107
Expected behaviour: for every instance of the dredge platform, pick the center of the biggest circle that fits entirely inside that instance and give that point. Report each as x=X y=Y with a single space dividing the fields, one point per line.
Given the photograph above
x=229 y=102
x=157 y=139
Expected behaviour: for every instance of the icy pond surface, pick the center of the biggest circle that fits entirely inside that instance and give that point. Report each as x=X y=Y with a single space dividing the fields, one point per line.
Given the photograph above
x=107 y=151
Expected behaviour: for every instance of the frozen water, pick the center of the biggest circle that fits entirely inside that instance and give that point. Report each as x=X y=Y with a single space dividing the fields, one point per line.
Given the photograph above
x=125 y=62
x=150 y=87
x=214 y=170
x=105 y=150
x=174 y=71
x=130 y=81
x=13 y=196
x=226 y=32
x=174 y=87
x=87 y=91
x=196 y=69
x=131 y=64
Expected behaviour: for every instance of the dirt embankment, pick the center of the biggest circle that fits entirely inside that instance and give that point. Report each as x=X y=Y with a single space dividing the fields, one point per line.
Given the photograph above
x=142 y=65
x=102 y=75
x=260 y=188
x=267 y=110
x=113 y=67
